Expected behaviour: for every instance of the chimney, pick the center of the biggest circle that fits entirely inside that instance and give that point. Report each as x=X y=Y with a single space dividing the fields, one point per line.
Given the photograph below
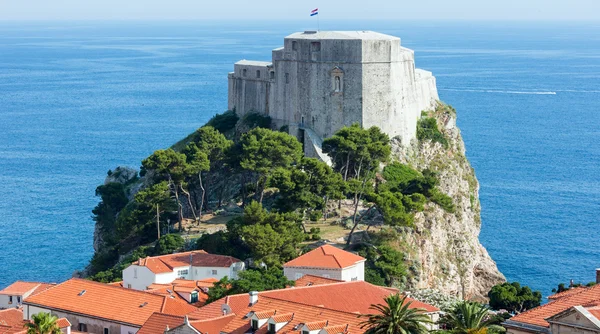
x=571 y=284
x=186 y=320
x=598 y=276
x=253 y=297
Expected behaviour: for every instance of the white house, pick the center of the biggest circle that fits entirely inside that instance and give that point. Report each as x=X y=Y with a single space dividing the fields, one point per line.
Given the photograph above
x=329 y=262
x=13 y=295
x=164 y=269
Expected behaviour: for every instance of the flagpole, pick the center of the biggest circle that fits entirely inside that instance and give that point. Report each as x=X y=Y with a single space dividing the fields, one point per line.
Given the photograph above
x=318 y=23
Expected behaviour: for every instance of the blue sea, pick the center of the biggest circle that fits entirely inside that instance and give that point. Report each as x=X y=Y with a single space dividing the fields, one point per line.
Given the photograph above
x=79 y=98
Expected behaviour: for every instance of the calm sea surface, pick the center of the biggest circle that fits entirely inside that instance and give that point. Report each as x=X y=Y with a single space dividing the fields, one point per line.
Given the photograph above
x=77 y=99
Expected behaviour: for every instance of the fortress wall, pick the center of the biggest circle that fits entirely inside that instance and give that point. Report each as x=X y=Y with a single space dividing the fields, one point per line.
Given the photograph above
x=249 y=90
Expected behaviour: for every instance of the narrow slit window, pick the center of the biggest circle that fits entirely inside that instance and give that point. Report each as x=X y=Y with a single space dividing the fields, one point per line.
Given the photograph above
x=257 y=74
x=244 y=72
x=294 y=45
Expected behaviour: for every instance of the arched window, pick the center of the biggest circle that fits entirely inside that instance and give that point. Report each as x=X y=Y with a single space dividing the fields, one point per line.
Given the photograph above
x=338 y=84
x=337 y=80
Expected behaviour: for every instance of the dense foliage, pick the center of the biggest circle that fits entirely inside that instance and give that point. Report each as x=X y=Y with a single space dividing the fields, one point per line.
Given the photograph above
x=249 y=280
x=242 y=161
x=468 y=318
x=513 y=297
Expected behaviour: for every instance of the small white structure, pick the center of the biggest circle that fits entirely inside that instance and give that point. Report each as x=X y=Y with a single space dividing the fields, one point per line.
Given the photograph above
x=13 y=295
x=329 y=262
x=164 y=269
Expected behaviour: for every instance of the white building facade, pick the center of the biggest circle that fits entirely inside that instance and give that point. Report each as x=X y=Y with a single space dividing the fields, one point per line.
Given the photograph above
x=190 y=265
x=329 y=262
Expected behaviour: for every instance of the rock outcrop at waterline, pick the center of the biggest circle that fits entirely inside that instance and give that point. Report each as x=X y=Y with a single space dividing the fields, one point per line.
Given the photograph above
x=444 y=248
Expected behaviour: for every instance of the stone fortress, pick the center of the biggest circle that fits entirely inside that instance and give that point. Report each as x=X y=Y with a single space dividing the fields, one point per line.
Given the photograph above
x=320 y=81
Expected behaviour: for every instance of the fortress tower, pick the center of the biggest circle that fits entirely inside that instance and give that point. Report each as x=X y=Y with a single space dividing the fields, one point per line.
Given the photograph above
x=321 y=81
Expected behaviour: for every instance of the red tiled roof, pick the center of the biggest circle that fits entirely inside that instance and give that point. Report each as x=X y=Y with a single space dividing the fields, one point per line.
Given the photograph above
x=330 y=302
x=336 y=296
x=284 y=317
x=326 y=256
x=537 y=316
x=336 y=329
x=19 y=288
x=63 y=323
x=312 y=326
x=308 y=280
x=594 y=310
x=157 y=323
x=200 y=258
x=107 y=302
x=566 y=293
x=212 y=326
x=11 y=317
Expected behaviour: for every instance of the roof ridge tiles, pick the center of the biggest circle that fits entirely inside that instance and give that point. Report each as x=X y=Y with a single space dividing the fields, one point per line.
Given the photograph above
x=310 y=305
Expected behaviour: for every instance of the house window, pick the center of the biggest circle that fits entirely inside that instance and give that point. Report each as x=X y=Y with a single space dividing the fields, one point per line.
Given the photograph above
x=257 y=74
x=10 y=299
x=254 y=324
x=128 y=286
x=294 y=45
x=244 y=72
x=182 y=272
x=134 y=272
x=315 y=46
x=287 y=78
x=272 y=74
x=18 y=299
x=214 y=272
x=272 y=328
x=194 y=297
x=105 y=330
x=305 y=332
x=82 y=327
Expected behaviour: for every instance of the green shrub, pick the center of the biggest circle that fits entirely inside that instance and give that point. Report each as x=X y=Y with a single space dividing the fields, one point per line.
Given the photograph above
x=315 y=215
x=224 y=122
x=443 y=200
x=427 y=129
x=167 y=244
x=256 y=120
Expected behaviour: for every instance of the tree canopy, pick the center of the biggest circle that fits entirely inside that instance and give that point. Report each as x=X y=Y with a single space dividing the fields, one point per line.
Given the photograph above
x=249 y=280
x=513 y=297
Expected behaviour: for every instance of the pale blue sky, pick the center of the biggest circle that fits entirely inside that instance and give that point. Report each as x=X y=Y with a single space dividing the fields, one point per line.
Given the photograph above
x=290 y=9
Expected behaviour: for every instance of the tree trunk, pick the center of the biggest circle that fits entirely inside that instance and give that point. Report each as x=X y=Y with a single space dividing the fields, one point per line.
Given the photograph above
x=357 y=196
x=189 y=198
x=202 y=196
x=158 y=221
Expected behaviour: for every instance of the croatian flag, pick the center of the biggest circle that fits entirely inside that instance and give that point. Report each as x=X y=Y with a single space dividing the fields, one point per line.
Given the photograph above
x=314 y=12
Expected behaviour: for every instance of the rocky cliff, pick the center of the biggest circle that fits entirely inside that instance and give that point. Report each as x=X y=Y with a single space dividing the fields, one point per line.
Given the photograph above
x=444 y=248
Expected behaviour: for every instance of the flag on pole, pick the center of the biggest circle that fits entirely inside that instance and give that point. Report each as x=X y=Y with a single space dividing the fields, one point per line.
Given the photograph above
x=314 y=12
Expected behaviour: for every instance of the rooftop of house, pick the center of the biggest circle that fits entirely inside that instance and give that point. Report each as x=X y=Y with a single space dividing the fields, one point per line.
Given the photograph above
x=11 y=321
x=20 y=288
x=326 y=256
x=328 y=307
x=537 y=316
x=349 y=35
x=333 y=296
x=200 y=258
x=308 y=280
x=63 y=323
x=566 y=293
x=107 y=302
x=184 y=286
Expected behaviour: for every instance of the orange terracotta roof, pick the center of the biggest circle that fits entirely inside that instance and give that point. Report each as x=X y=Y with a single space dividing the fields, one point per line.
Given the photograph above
x=63 y=323
x=11 y=317
x=308 y=280
x=312 y=326
x=566 y=293
x=199 y=258
x=335 y=296
x=42 y=287
x=285 y=317
x=157 y=323
x=265 y=314
x=19 y=288
x=120 y=283
x=108 y=302
x=537 y=316
x=330 y=302
x=212 y=326
x=594 y=310
x=336 y=329
x=326 y=256
x=187 y=289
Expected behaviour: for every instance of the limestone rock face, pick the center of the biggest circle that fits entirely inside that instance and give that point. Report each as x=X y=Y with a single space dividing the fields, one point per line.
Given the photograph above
x=445 y=250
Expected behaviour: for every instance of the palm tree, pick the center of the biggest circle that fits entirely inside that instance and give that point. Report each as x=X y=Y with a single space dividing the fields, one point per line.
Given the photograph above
x=396 y=317
x=469 y=318
x=43 y=323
